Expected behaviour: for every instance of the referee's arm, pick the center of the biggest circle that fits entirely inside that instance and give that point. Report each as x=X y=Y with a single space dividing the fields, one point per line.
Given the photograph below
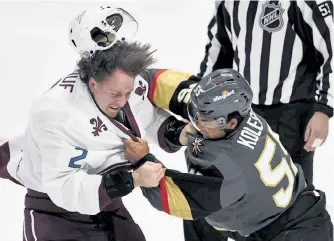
x=319 y=15
x=218 y=51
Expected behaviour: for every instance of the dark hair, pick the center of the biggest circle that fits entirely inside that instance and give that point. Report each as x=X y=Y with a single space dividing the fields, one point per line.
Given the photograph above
x=132 y=58
x=235 y=115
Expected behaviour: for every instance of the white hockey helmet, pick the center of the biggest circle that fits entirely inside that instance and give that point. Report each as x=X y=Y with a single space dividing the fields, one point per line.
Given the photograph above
x=100 y=28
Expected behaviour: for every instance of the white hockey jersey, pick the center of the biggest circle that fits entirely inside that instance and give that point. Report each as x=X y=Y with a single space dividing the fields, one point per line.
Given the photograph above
x=69 y=141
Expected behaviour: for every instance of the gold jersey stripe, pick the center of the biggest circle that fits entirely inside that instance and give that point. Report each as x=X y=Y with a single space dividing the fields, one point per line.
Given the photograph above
x=178 y=204
x=165 y=84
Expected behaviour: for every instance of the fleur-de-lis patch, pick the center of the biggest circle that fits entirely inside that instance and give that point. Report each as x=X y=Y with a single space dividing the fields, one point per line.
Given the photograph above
x=196 y=146
x=98 y=126
x=141 y=90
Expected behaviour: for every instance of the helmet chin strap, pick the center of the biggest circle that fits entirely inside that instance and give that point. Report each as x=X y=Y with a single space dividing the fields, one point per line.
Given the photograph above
x=102 y=38
x=228 y=132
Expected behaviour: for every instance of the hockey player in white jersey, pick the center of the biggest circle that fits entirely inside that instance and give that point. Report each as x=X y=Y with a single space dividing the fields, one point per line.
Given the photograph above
x=73 y=161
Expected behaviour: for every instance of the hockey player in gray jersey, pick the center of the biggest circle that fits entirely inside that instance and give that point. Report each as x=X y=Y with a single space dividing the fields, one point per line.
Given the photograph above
x=241 y=180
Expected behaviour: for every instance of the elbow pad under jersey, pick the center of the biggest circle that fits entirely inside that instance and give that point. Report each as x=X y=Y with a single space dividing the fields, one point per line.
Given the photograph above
x=118 y=184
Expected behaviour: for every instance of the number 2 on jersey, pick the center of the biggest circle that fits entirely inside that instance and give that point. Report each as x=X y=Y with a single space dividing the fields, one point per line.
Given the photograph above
x=271 y=177
x=77 y=158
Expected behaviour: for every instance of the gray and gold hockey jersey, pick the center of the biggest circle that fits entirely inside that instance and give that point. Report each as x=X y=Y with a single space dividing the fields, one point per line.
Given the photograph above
x=240 y=183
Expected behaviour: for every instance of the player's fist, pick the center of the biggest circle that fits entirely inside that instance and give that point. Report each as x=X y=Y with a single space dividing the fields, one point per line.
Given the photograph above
x=316 y=131
x=134 y=151
x=148 y=175
x=189 y=128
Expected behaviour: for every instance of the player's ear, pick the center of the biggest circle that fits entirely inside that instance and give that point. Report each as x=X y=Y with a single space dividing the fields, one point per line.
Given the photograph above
x=232 y=124
x=92 y=84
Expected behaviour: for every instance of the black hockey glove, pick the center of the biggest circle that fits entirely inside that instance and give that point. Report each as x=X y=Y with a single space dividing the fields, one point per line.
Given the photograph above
x=172 y=133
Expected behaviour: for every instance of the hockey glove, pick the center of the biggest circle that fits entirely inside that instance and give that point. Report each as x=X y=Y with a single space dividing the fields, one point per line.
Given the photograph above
x=172 y=133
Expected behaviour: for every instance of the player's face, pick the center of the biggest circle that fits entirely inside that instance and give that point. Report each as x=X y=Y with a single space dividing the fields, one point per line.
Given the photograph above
x=113 y=92
x=206 y=127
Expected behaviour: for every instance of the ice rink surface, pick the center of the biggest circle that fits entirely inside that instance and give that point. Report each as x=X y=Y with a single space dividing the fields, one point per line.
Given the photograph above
x=35 y=53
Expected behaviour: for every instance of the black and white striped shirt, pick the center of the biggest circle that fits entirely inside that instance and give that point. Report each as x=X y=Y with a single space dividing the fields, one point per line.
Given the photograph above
x=283 y=48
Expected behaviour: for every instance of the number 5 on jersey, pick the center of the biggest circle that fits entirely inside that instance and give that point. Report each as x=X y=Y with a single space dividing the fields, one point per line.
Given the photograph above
x=271 y=177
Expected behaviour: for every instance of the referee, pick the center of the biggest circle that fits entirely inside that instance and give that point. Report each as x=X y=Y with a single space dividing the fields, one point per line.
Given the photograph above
x=285 y=50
